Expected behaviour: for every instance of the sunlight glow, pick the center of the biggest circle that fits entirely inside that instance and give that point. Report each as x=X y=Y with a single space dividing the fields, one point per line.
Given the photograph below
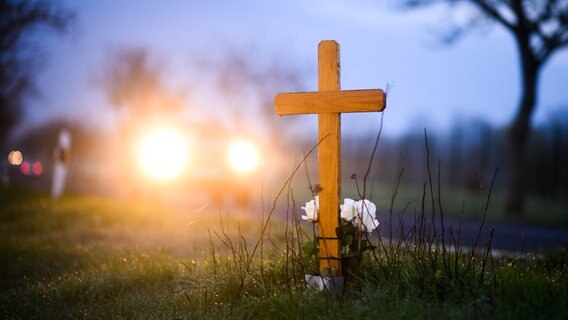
x=244 y=157
x=163 y=154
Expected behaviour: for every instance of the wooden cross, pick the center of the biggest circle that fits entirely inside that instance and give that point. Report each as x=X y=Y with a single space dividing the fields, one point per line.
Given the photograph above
x=328 y=103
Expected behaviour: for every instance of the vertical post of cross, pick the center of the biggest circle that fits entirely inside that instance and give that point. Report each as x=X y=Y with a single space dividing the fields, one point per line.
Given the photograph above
x=329 y=161
x=328 y=103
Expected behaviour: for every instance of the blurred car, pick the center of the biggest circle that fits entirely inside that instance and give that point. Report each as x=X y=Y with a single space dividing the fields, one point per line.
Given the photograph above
x=198 y=158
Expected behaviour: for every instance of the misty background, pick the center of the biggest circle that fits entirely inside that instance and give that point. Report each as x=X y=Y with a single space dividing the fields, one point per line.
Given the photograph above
x=216 y=66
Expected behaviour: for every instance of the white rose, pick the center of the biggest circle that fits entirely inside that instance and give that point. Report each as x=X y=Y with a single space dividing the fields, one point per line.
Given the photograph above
x=348 y=210
x=367 y=213
x=311 y=209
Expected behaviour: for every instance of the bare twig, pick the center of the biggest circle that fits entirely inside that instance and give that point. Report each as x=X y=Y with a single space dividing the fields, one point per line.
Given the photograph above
x=377 y=139
x=270 y=213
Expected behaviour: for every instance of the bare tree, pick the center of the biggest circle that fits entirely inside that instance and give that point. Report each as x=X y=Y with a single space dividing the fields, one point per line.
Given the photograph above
x=248 y=78
x=133 y=81
x=539 y=28
x=19 y=57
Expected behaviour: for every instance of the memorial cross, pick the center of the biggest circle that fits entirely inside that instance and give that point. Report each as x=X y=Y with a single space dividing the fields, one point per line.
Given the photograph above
x=328 y=103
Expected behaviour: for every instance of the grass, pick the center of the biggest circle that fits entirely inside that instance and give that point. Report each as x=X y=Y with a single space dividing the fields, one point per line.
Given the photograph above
x=100 y=258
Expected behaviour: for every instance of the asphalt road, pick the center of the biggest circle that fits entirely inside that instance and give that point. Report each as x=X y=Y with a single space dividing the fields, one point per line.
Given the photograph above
x=506 y=236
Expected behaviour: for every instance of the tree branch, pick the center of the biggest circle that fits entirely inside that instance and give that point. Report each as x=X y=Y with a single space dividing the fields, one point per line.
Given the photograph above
x=492 y=11
x=558 y=40
x=545 y=21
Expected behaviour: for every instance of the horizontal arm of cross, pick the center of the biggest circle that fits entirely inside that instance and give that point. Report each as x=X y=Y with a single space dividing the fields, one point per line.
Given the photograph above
x=372 y=100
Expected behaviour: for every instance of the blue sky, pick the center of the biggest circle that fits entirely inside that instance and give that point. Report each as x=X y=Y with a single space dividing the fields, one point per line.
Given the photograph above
x=432 y=85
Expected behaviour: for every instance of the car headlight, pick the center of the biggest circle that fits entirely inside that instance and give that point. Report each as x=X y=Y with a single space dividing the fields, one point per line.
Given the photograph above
x=243 y=156
x=162 y=153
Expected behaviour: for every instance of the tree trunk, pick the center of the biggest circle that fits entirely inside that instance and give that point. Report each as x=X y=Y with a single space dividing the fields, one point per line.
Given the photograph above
x=519 y=133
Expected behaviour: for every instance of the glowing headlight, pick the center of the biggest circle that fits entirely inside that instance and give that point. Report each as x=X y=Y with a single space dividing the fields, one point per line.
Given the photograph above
x=163 y=154
x=243 y=156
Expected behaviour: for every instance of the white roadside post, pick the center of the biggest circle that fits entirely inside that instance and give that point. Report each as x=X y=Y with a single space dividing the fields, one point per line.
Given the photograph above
x=62 y=155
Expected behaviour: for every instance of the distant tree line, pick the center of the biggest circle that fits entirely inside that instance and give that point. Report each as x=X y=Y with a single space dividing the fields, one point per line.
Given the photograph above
x=469 y=154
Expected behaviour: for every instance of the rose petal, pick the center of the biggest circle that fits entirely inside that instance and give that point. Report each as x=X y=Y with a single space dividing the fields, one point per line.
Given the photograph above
x=348 y=210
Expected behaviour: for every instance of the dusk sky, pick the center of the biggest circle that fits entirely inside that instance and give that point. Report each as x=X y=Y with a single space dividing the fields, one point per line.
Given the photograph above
x=432 y=84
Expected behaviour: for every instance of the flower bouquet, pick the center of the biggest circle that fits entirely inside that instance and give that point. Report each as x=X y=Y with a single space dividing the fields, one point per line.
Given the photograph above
x=358 y=220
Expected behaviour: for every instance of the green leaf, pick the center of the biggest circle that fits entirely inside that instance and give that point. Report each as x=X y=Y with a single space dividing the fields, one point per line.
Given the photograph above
x=345 y=229
x=347 y=240
x=340 y=232
x=368 y=248
x=310 y=248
